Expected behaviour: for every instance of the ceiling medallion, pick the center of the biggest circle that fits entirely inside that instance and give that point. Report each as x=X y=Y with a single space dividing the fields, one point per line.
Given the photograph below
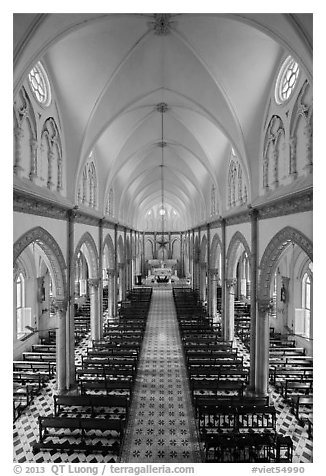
x=162 y=23
x=162 y=107
x=162 y=144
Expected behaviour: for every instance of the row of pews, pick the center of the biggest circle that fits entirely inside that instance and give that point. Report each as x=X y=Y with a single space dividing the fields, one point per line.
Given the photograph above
x=232 y=427
x=38 y=364
x=290 y=369
x=94 y=418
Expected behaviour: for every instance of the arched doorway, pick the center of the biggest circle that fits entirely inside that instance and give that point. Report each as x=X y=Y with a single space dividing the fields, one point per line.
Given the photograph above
x=291 y=246
x=40 y=290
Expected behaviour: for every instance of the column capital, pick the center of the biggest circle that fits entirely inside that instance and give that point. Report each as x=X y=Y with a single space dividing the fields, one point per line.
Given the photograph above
x=110 y=272
x=230 y=282
x=213 y=271
x=60 y=305
x=265 y=305
x=94 y=282
x=253 y=212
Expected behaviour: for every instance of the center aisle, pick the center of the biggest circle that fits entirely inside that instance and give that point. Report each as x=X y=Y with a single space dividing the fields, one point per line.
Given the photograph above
x=161 y=423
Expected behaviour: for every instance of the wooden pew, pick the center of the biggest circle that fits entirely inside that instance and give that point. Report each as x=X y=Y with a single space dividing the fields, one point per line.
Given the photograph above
x=43 y=368
x=35 y=380
x=82 y=426
x=91 y=403
x=44 y=348
x=121 y=385
x=39 y=356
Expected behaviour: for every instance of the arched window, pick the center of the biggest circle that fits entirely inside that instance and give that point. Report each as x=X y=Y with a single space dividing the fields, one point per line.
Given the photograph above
x=23 y=317
x=40 y=85
x=306 y=300
x=286 y=80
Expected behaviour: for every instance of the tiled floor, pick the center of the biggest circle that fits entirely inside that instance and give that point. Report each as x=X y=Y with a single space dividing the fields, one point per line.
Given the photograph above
x=161 y=426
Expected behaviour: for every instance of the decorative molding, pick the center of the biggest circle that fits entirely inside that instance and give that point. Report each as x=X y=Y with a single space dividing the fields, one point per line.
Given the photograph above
x=162 y=23
x=24 y=203
x=86 y=219
x=301 y=202
x=240 y=217
x=53 y=253
x=273 y=251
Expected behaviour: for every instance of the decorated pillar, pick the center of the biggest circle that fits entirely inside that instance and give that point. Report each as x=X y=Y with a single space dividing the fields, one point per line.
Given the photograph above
x=223 y=260
x=61 y=355
x=253 y=294
x=70 y=325
x=33 y=171
x=262 y=347
x=308 y=134
x=208 y=270
x=100 y=285
x=95 y=315
x=193 y=261
x=212 y=301
x=111 y=291
x=293 y=158
x=50 y=183
x=19 y=134
x=275 y=161
x=228 y=331
x=59 y=173
x=143 y=271
x=155 y=247
x=115 y=294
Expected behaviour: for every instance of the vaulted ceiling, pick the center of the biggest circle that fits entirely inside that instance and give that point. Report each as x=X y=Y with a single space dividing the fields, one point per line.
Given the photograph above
x=111 y=72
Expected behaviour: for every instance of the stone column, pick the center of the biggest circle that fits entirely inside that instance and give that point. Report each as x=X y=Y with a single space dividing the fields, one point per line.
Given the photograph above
x=193 y=261
x=33 y=171
x=253 y=293
x=59 y=178
x=115 y=295
x=122 y=284
x=71 y=270
x=212 y=298
x=293 y=158
x=95 y=315
x=50 y=183
x=208 y=289
x=111 y=291
x=275 y=164
x=61 y=355
x=155 y=247
x=228 y=331
x=19 y=134
x=143 y=271
x=308 y=133
x=262 y=347
x=100 y=286
x=223 y=277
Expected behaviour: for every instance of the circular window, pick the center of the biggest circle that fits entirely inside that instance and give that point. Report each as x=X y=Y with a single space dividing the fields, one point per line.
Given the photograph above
x=40 y=85
x=286 y=80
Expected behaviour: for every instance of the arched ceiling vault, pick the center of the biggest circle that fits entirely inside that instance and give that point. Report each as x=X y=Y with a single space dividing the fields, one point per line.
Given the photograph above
x=109 y=73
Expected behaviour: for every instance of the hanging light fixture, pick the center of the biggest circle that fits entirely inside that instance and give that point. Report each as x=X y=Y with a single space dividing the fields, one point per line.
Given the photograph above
x=162 y=108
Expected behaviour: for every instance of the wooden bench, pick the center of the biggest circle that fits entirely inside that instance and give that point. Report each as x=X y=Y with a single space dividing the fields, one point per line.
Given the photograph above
x=89 y=404
x=82 y=426
x=290 y=388
x=302 y=406
x=35 y=380
x=39 y=356
x=213 y=418
x=22 y=393
x=206 y=386
x=278 y=374
x=44 y=348
x=121 y=385
x=42 y=368
x=110 y=360
x=240 y=448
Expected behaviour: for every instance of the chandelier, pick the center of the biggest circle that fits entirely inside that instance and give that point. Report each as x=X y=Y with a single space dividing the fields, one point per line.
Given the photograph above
x=162 y=108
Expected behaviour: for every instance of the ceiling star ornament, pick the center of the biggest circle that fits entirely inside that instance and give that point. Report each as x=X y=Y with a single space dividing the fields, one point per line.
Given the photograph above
x=162 y=242
x=162 y=23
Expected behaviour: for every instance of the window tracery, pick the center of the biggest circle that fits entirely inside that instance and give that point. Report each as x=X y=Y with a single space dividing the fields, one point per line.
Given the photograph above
x=237 y=187
x=87 y=190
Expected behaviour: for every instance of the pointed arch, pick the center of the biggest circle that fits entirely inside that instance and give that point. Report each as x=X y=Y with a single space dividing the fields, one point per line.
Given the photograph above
x=108 y=242
x=52 y=251
x=232 y=253
x=216 y=243
x=91 y=255
x=274 y=250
